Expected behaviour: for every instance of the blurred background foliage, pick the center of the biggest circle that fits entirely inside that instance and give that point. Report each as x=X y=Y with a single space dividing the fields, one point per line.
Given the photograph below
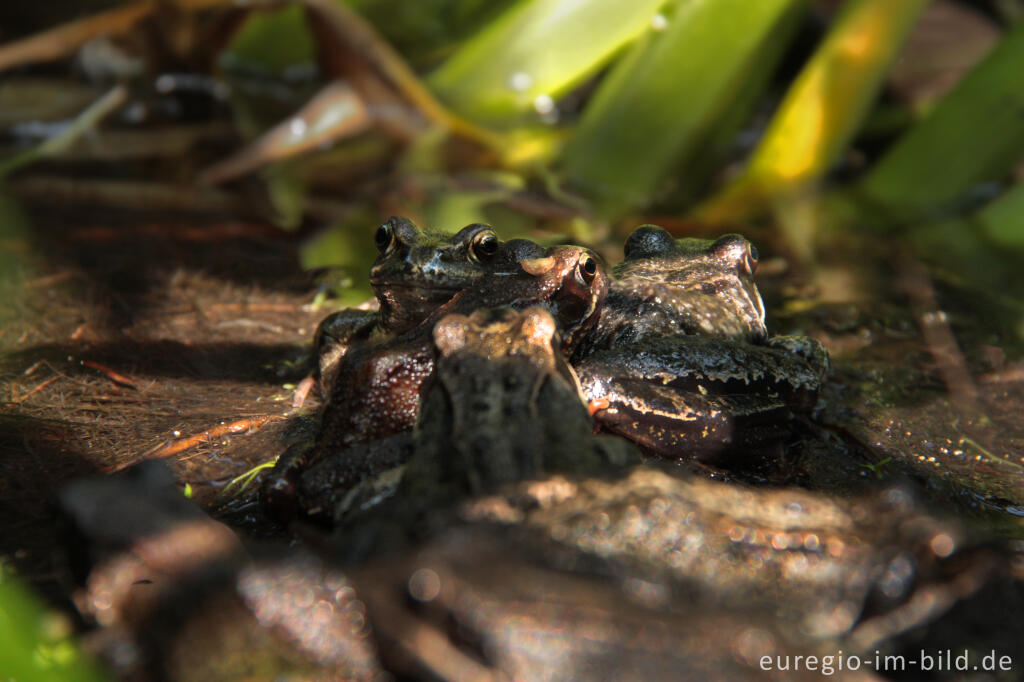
x=36 y=644
x=583 y=118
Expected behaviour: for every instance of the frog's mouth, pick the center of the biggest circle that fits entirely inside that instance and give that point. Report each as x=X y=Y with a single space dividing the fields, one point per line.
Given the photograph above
x=383 y=283
x=755 y=300
x=410 y=293
x=414 y=286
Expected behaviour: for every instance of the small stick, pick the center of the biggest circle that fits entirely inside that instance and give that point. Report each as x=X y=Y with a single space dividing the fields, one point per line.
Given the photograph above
x=111 y=374
x=240 y=426
x=63 y=40
x=37 y=389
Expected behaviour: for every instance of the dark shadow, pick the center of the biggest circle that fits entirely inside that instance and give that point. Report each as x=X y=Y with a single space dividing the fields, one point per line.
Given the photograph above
x=128 y=256
x=270 y=364
x=37 y=457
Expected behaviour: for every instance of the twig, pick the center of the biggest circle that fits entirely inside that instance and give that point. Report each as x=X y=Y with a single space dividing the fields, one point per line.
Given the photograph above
x=32 y=370
x=131 y=194
x=335 y=113
x=111 y=374
x=65 y=39
x=255 y=307
x=241 y=426
x=937 y=334
x=37 y=389
x=349 y=30
x=49 y=280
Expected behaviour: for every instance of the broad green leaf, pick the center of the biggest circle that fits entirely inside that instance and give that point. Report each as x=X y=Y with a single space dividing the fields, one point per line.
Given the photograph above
x=822 y=109
x=661 y=104
x=272 y=41
x=534 y=52
x=36 y=645
x=426 y=31
x=347 y=248
x=1003 y=219
x=975 y=134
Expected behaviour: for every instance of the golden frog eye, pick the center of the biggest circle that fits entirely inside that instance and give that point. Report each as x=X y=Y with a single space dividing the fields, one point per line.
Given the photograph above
x=484 y=246
x=384 y=238
x=750 y=261
x=587 y=268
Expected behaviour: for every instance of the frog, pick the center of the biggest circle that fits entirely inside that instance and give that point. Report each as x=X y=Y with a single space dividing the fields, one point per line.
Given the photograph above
x=502 y=406
x=666 y=287
x=821 y=567
x=680 y=360
x=173 y=594
x=378 y=387
x=416 y=271
x=483 y=608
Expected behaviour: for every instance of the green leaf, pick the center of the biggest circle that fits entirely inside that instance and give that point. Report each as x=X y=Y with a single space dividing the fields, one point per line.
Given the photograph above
x=975 y=133
x=36 y=645
x=272 y=41
x=657 y=108
x=822 y=109
x=1003 y=219
x=348 y=248
x=534 y=52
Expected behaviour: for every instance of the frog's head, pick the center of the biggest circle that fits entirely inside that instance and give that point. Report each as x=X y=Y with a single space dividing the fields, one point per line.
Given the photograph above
x=691 y=269
x=418 y=271
x=732 y=261
x=568 y=281
x=572 y=283
x=496 y=333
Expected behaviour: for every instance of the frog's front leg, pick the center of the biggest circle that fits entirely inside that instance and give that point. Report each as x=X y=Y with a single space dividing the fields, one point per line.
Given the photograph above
x=331 y=341
x=278 y=492
x=327 y=486
x=354 y=480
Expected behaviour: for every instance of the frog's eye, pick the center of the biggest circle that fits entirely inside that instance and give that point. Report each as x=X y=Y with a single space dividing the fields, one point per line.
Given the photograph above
x=384 y=238
x=750 y=259
x=587 y=268
x=484 y=246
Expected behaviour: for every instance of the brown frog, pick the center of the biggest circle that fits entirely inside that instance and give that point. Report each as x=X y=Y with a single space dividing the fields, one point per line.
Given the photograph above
x=791 y=564
x=687 y=287
x=378 y=388
x=680 y=360
x=174 y=595
x=502 y=406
